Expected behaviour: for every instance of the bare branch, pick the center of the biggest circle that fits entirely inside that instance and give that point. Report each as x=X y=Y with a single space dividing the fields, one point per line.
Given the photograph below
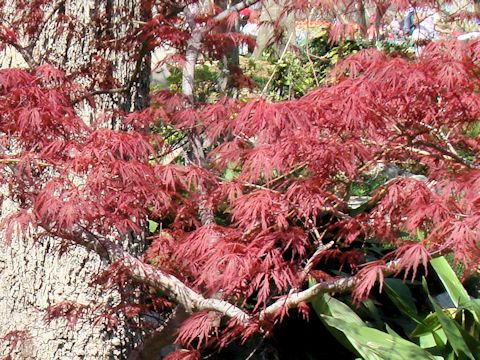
x=341 y=285
x=235 y=8
x=146 y=274
x=446 y=153
x=313 y=259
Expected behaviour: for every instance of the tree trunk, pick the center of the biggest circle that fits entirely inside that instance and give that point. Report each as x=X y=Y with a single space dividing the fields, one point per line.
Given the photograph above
x=34 y=275
x=361 y=16
x=273 y=12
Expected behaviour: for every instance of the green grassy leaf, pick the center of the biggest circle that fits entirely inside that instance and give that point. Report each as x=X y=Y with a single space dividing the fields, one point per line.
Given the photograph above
x=375 y=344
x=451 y=329
x=152 y=226
x=449 y=279
x=400 y=295
x=427 y=326
x=474 y=307
x=324 y=304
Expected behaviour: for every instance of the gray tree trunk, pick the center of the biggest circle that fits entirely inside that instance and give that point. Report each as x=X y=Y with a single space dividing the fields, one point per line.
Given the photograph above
x=33 y=275
x=273 y=11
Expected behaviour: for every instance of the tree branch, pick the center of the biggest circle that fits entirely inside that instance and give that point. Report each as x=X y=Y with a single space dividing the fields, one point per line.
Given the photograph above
x=195 y=42
x=171 y=286
x=192 y=301
x=313 y=259
x=341 y=285
x=291 y=301
x=235 y=8
x=26 y=54
x=446 y=153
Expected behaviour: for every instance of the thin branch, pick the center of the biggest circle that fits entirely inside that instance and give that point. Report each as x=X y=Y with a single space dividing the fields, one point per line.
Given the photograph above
x=194 y=43
x=313 y=259
x=295 y=169
x=27 y=51
x=446 y=153
x=340 y=285
x=307 y=48
x=265 y=88
x=16 y=161
x=171 y=286
x=441 y=136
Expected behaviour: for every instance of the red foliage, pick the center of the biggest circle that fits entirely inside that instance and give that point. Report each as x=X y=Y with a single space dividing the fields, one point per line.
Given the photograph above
x=370 y=275
x=13 y=339
x=66 y=310
x=275 y=180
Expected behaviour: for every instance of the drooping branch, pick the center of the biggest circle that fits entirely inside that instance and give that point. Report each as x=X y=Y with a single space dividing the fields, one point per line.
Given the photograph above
x=171 y=286
x=337 y=286
x=192 y=301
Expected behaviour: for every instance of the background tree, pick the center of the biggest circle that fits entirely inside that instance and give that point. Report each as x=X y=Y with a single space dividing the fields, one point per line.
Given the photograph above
x=84 y=39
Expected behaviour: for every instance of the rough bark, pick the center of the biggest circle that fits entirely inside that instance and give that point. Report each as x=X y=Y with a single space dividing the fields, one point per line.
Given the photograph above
x=274 y=14
x=34 y=275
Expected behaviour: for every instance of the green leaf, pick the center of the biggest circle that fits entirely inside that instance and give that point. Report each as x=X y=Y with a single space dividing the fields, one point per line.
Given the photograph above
x=428 y=325
x=451 y=329
x=435 y=344
x=420 y=235
x=324 y=304
x=472 y=342
x=374 y=344
x=440 y=339
x=400 y=295
x=152 y=226
x=231 y=172
x=427 y=341
x=474 y=307
x=372 y=311
x=449 y=279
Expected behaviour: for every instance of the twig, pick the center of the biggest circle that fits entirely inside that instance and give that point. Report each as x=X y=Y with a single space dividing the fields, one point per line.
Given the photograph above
x=265 y=88
x=311 y=261
x=260 y=343
x=341 y=285
x=100 y=92
x=16 y=161
x=446 y=153
x=300 y=166
x=307 y=48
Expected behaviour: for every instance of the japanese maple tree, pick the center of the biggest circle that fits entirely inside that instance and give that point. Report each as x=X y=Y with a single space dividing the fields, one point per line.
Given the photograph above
x=260 y=199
